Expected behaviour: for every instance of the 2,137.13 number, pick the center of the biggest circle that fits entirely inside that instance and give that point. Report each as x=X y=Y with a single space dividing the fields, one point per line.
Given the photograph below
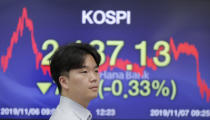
x=118 y=46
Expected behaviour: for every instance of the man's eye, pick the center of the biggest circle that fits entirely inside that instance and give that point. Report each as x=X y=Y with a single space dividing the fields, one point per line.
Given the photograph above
x=96 y=71
x=84 y=72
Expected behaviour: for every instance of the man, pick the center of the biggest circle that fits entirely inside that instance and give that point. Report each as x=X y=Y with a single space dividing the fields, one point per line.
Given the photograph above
x=74 y=69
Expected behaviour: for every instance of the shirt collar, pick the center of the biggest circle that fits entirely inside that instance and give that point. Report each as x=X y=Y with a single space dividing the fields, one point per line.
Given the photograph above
x=78 y=109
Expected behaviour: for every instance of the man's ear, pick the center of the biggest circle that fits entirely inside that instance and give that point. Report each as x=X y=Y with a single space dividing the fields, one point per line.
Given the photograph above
x=64 y=82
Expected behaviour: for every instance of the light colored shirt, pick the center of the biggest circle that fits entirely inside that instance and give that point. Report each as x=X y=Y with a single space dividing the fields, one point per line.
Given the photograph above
x=70 y=110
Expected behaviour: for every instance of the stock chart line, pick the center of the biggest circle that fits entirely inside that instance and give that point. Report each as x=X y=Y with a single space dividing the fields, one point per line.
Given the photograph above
x=22 y=22
x=182 y=48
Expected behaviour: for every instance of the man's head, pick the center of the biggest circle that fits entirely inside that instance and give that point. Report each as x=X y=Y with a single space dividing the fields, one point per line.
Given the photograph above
x=74 y=68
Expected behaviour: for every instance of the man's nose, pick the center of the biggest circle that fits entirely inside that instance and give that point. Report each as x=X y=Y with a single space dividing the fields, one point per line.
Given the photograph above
x=93 y=76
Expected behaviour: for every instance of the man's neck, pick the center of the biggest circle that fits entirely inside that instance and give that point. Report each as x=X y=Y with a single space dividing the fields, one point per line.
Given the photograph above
x=77 y=99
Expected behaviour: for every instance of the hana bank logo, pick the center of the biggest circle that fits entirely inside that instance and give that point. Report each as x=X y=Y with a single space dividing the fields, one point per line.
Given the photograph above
x=109 y=17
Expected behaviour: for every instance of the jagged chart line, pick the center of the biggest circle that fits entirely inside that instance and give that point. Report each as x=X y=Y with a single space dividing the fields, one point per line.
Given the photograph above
x=182 y=48
x=15 y=37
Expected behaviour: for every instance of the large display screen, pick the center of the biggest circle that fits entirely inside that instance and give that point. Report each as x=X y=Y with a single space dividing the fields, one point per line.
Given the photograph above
x=155 y=60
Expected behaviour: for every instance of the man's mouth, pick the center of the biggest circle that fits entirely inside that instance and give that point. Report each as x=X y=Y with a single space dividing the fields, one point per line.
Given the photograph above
x=94 y=88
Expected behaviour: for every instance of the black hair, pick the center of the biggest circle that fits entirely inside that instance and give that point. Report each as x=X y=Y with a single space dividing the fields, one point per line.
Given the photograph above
x=69 y=57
